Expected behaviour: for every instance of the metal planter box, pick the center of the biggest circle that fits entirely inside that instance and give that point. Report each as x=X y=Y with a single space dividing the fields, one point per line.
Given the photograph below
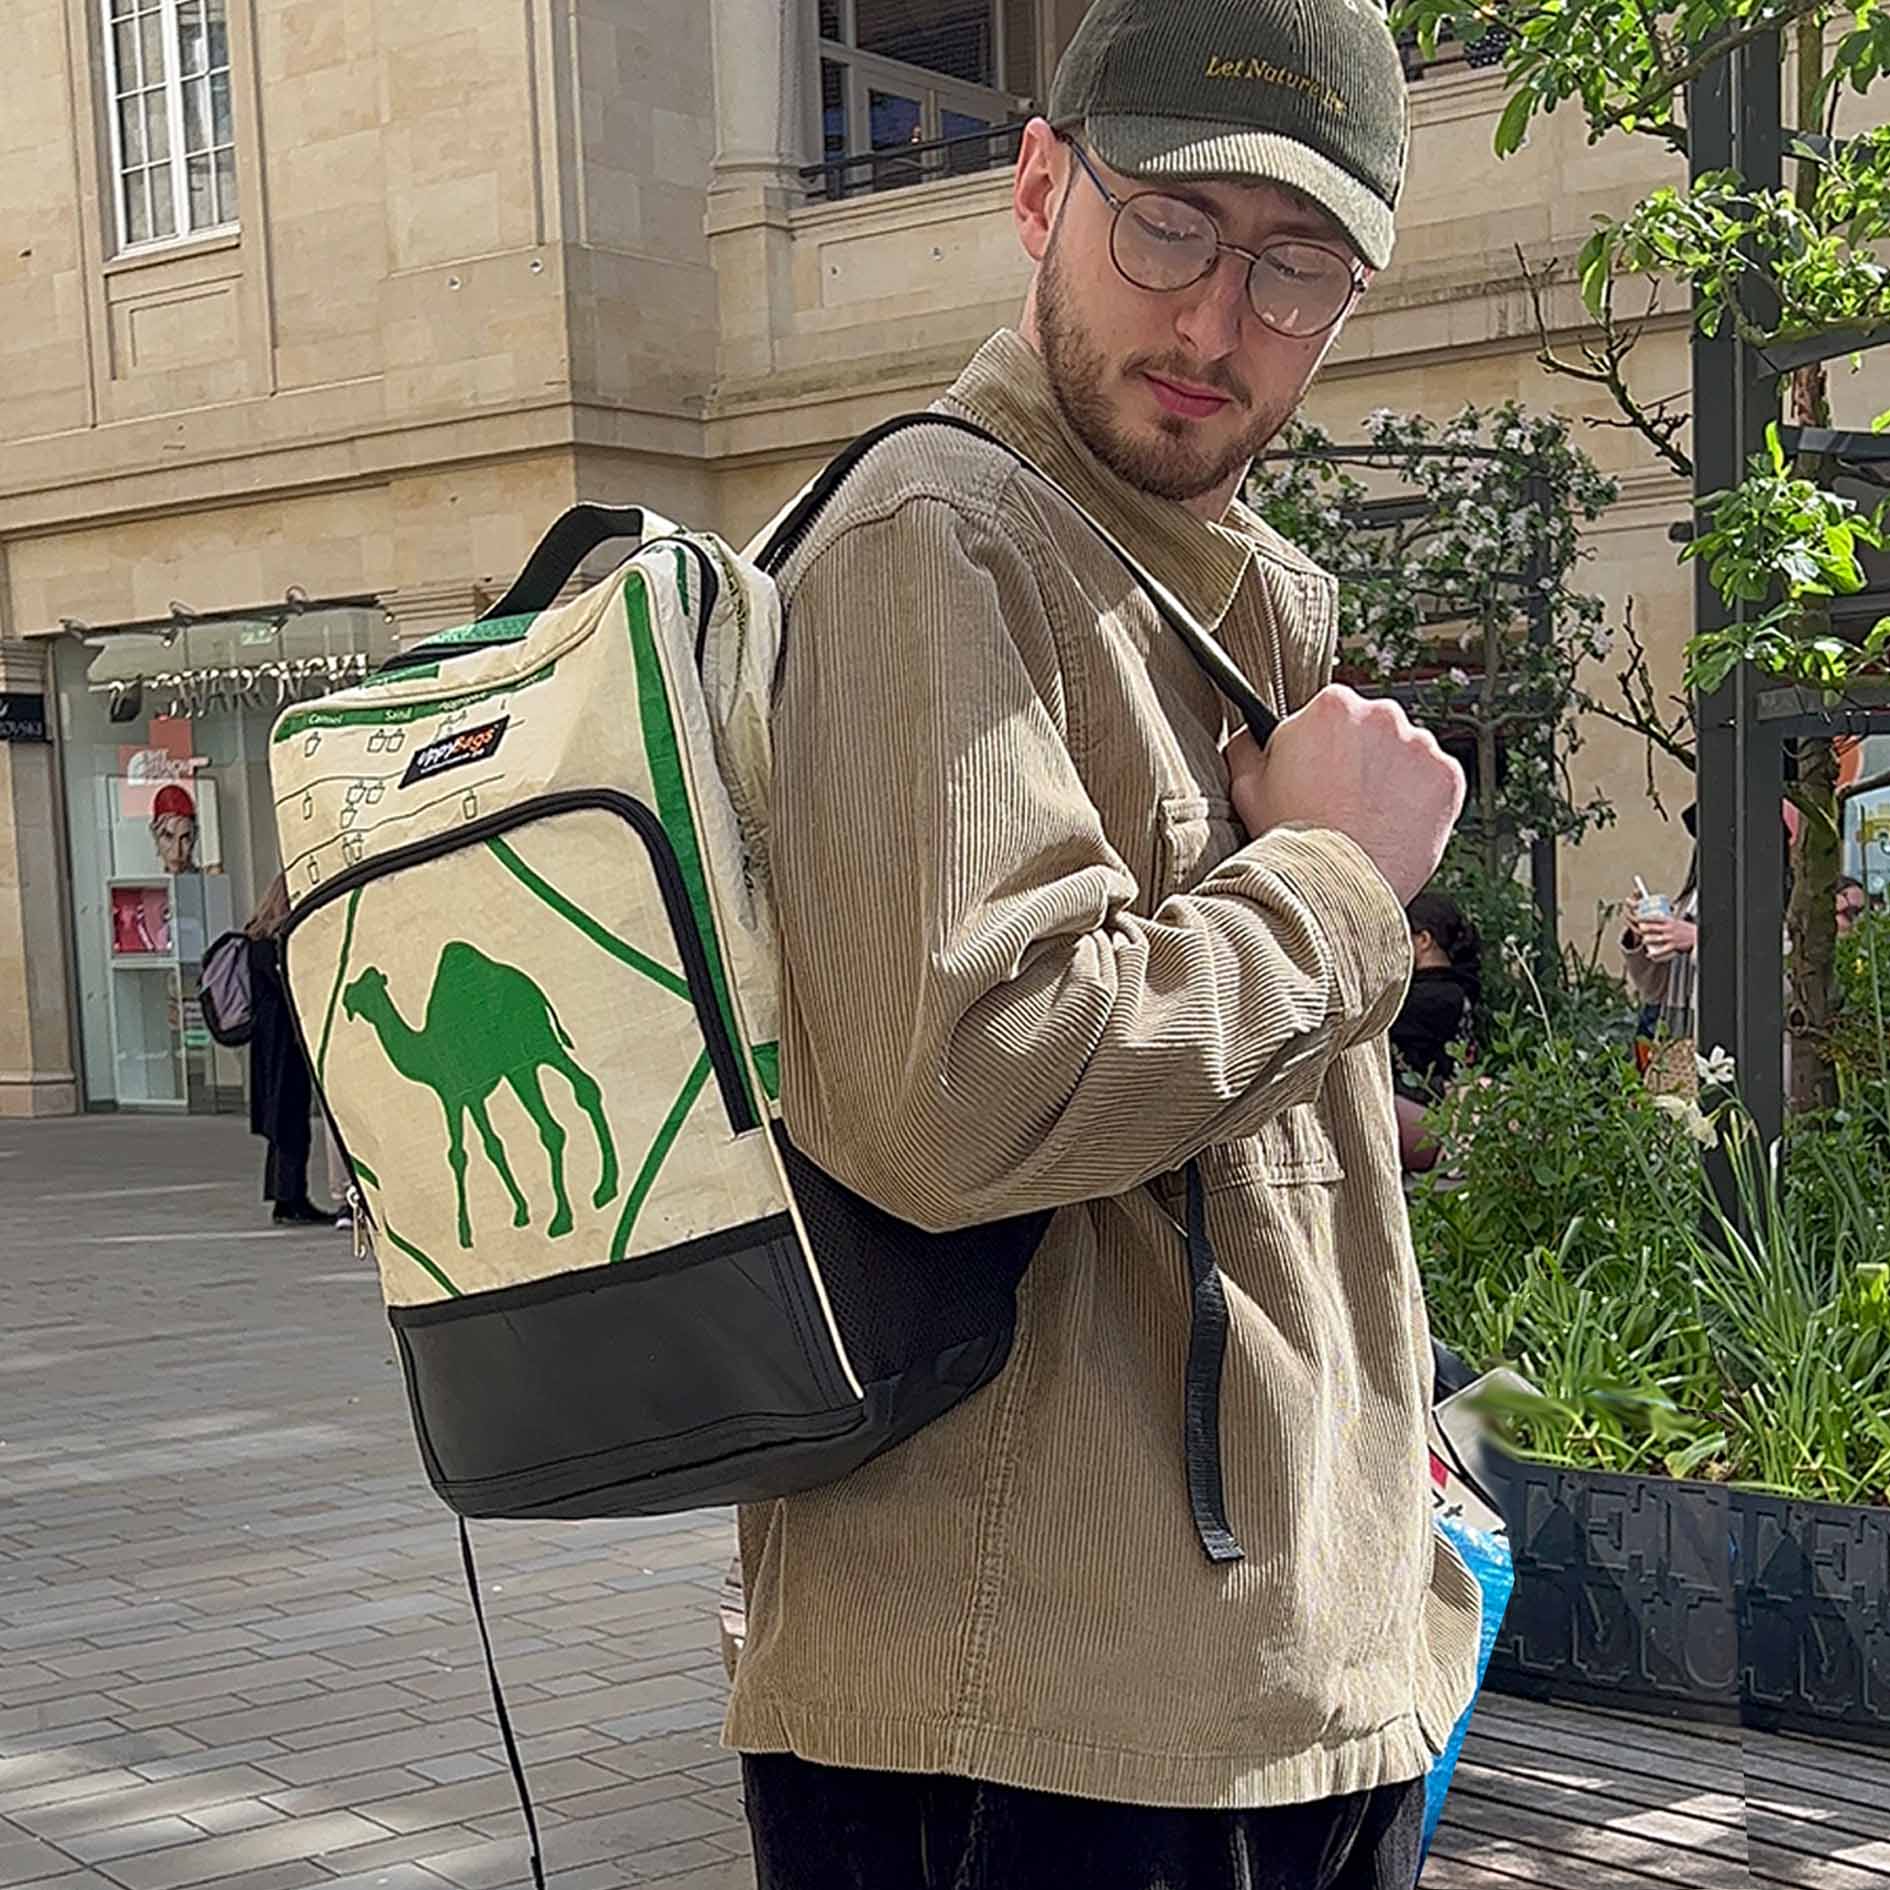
x=1698 y=1601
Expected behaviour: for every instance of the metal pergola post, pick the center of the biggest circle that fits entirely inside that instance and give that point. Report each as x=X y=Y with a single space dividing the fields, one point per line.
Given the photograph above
x=1733 y=118
x=1544 y=877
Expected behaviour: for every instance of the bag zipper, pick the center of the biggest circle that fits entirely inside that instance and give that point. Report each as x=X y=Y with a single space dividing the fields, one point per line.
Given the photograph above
x=371 y=696
x=422 y=656
x=356 y=1199
x=708 y=594
x=724 y=1058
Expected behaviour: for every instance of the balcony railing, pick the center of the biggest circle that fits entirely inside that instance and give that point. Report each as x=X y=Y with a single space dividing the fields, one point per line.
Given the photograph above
x=904 y=165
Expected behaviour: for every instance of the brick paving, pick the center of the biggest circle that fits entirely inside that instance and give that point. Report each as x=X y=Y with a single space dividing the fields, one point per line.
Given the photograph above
x=236 y=1648
x=235 y=1644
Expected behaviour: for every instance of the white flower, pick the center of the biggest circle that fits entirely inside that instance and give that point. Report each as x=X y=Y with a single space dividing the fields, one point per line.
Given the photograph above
x=1717 y=1068
x=1684 y=1111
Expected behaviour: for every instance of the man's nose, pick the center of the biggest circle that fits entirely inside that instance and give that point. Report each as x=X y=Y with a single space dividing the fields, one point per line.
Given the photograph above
x=1210 y=319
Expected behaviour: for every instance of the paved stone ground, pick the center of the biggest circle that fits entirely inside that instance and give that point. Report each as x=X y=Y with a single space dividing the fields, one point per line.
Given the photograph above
x=235 y=1643
x=236 y=1647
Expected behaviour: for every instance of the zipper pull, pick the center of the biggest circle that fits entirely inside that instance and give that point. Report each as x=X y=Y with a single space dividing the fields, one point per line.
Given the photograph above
x=357 y=1217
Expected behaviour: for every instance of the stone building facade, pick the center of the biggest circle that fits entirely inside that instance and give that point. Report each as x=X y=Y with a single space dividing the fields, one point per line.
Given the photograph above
x=314 y=312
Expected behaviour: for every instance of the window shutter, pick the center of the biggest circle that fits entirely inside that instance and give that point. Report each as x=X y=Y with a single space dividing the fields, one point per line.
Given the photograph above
x=1020 y=48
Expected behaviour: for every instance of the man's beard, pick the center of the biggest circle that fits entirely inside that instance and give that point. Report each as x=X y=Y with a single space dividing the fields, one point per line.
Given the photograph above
x=1170 y=464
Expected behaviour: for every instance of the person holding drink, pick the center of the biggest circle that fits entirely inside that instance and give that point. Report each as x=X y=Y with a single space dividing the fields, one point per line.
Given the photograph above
x=1659 y=950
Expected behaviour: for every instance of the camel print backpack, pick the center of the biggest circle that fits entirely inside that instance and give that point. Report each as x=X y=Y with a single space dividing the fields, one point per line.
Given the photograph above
x=531 y=959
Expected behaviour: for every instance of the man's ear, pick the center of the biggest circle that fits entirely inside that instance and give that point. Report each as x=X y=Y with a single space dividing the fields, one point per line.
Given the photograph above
x=1038 y=186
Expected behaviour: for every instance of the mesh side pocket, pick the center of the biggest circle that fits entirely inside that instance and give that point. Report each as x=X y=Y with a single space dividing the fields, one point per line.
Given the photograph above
x=902 y=1295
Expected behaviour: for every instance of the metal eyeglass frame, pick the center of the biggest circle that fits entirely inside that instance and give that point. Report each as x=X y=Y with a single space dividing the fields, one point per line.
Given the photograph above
x=1250 y=257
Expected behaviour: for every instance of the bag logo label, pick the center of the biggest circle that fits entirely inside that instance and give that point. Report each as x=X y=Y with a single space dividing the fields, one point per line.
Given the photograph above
x=456 y=750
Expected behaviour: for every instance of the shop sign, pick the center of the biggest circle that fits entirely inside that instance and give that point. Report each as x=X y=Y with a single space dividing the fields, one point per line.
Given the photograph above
x=23 y=718
x=202 y=692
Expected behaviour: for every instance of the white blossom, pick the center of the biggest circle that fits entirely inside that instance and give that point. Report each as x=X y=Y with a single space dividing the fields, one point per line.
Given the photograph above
x=1718 y=1067
x=1689 y=1114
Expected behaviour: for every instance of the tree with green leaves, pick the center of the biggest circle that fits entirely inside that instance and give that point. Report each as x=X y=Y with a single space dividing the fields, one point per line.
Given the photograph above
x=1777 y=266
x=1461 y=588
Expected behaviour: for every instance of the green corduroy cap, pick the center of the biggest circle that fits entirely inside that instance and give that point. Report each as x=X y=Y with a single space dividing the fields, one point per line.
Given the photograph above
x=1307 y=93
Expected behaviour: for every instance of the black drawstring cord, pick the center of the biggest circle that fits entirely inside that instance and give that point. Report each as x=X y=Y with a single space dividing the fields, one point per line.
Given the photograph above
x=498 y=1702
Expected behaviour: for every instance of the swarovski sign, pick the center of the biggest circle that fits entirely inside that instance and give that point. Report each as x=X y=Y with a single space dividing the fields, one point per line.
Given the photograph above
x=197 y=692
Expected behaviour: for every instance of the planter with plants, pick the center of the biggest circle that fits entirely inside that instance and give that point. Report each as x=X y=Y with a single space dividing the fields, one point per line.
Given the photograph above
x=1699 y=1505
x=1697 y=1493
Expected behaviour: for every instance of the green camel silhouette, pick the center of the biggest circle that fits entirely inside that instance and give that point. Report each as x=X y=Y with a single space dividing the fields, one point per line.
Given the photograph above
x=487 y=1024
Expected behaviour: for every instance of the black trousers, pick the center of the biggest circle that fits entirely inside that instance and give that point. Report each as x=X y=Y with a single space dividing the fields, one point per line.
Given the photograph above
x=285 y=1172
x=816 y=1828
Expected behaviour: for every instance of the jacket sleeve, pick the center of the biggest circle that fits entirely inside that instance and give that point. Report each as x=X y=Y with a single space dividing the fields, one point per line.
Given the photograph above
x=1646 y=977
x=977 y=1023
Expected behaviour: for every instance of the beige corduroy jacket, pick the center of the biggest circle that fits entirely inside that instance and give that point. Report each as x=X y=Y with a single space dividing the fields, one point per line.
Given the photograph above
x=1031 y=961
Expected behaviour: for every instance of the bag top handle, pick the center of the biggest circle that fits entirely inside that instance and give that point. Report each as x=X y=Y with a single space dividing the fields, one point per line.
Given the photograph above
x=565 y=546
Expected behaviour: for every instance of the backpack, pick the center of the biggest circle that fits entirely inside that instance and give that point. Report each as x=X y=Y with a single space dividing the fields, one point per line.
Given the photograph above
x=532 y=961
x=223 y=991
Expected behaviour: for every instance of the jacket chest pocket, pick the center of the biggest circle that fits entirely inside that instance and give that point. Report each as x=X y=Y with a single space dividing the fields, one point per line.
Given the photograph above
x=1193 y=835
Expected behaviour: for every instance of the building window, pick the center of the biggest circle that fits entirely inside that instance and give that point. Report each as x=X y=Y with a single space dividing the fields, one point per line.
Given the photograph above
x=173 y=144
x=913 y=89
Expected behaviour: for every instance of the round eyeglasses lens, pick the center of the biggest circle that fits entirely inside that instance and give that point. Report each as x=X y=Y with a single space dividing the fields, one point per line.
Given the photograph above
x=1300 y=288
x=1162 y=243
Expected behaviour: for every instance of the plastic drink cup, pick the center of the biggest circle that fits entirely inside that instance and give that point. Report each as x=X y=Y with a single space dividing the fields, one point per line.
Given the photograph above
x=1651 y=905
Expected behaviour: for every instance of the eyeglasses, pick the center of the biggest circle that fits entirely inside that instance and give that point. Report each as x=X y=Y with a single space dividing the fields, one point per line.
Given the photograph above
x=1166 y=244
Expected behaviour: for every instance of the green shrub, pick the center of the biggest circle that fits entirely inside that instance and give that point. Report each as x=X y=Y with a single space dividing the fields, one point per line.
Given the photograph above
x=1795 y=1296
x=1580 y=999
x=1860 y=1037
x=1553 y=1145
x=1569 y=1232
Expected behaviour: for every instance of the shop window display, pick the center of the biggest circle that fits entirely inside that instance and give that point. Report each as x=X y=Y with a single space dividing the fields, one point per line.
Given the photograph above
x=170 y=827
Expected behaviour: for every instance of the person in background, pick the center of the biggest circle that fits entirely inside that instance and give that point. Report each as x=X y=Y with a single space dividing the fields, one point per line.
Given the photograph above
x=1660 y=959
x=1852 y=903
x=281 y=1093
x=1446 y=987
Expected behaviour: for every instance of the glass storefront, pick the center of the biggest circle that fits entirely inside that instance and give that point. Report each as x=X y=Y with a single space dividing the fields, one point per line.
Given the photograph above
x=1867 y=820
x=171 y=825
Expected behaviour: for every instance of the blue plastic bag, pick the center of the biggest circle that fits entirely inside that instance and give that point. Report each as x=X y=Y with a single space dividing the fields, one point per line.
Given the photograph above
x=1488 y=1559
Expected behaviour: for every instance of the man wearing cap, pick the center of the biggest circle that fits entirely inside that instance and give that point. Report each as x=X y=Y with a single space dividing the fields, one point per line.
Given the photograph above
x=1051 y=942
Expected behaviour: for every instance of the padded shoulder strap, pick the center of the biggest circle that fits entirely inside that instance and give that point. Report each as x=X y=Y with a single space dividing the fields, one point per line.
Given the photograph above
x=1219 y=667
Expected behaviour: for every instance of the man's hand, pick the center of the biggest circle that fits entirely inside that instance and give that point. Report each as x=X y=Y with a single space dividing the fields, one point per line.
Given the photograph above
x=1357 y=767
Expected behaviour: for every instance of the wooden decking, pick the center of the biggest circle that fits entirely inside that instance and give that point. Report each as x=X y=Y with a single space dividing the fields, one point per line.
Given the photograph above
x=1571 y=1799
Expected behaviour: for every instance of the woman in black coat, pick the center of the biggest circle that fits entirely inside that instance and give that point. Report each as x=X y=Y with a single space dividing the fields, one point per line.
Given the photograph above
x=1438 y=1013
x=280 y=1091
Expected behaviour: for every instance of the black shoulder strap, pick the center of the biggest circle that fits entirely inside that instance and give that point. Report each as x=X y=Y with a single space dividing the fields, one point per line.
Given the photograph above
x=1219 y=667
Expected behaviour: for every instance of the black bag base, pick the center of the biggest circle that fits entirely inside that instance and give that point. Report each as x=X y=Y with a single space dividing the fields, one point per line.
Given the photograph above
x=742 y=1401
